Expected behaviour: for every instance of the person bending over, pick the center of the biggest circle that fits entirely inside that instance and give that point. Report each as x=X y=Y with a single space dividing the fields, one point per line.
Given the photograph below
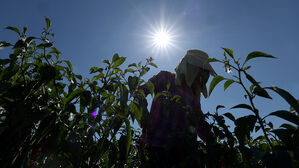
x=175 y=117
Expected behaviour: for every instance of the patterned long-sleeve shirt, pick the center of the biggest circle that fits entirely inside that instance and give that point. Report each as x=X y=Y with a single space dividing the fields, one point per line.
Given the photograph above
x=169 y=117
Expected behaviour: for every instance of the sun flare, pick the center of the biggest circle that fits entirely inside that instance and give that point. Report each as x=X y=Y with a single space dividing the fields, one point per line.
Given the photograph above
x=161 y=39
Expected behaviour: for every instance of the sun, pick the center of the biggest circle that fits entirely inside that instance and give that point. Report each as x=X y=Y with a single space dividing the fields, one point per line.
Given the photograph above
x=161 y=39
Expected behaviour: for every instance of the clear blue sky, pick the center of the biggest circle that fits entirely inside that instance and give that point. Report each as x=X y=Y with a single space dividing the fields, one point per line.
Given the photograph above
x=91 y=30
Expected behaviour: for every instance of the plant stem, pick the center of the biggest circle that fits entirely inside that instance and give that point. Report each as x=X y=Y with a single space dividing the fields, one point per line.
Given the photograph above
x=253 y=107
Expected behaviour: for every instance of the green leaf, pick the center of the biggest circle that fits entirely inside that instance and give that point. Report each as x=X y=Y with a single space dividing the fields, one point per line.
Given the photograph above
x=228 y=83
x=14 y=29
x=129 y=136
x=244 y=106
x=48 y=22
x=73 y=95
x=85 y=98
x=123 y=95
x=130 y=70
x=256 y=54
x=157 y=95
x=124 y=145
x=118 y=62
x=136 y=111
x=289 y=127
x=245 y=68
x=287 y=96
x=29 y=40
x=251 y=79
x=19 y=44
x=286 y=115
x=167 y=86
x=261 y=92
x=219 y=107
x=151 y=87
x=47 y=73
x=132 y=82
x=115 y=58
x=4 y=61
x=214 y=82
x=106 y=61
x=176 y=98
x=213 y=60
x=153 y=64
x=283 y=134
x=230 y=116
x=229 y=52
x=55 y=51
x=133 y=64
x=5 y=44
x=251 y=87
x=45 y=45
x=69 y=65
x=244 y=125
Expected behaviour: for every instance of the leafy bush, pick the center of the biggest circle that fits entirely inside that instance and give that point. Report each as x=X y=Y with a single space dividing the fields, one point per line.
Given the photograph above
x=51 y=117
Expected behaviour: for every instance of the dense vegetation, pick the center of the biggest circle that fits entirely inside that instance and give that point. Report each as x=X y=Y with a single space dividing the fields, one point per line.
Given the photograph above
x=52 y=117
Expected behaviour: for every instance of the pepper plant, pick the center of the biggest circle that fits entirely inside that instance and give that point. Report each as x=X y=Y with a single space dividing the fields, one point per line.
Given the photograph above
x=53 y=117
x=275 y=147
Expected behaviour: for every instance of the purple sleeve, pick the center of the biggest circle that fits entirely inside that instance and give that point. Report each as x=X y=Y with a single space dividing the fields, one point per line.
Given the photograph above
x=159 y=81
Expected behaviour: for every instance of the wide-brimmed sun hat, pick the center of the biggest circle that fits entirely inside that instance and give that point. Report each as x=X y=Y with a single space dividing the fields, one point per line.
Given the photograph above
x=189 y=65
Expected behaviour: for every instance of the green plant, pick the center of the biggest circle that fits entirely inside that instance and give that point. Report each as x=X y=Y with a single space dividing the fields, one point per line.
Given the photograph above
x=52 y=117
x=263 y=150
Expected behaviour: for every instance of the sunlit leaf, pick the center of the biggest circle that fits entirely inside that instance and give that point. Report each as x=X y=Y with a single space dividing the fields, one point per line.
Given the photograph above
x=106 y=61
x=115 y=58
x=132 y=82
x=14 y=29
x=48 y=22
x=118 y=62
x=229 y=52
x=151 y=87
x=69 y=65
x=153 y=64
x=55 y=51
x=133 y=64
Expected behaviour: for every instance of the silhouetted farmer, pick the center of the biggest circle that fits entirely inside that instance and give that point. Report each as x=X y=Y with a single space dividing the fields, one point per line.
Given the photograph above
x=175 y=117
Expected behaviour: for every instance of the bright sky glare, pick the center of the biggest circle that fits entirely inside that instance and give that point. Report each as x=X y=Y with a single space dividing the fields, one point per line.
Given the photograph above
x=161 y=39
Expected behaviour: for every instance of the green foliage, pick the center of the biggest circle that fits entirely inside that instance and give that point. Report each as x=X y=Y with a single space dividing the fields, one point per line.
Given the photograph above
x=263 y=151
x=51 y=117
